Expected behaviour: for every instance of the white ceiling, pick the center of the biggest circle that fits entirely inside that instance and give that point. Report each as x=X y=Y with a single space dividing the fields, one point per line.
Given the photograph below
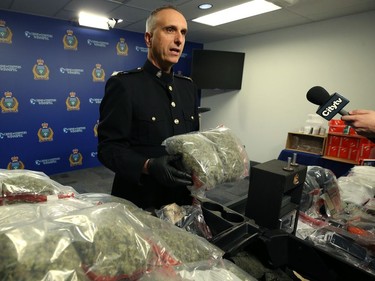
x=135 y=12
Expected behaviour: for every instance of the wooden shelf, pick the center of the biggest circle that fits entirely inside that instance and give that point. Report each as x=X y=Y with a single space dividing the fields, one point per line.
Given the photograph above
x=341 y=160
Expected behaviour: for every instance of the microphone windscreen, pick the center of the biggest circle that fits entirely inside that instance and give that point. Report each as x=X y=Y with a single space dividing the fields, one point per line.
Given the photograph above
x=317 y=95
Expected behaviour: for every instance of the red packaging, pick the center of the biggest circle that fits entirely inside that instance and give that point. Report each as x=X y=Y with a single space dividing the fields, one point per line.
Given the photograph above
x=332 y=151
x=343 y=152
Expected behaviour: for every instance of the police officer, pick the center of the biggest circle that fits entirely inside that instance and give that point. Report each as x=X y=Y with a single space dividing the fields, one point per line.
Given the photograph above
x=143 y=107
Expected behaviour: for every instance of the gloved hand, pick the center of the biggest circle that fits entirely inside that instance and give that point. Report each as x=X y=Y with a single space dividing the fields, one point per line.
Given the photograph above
x=165 y=173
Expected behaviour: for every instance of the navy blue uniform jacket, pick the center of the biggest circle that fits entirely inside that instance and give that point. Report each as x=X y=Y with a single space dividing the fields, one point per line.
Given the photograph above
x=140 y=109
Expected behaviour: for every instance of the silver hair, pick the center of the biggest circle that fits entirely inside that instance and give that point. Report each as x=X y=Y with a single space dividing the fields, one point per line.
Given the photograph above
x=150 y=22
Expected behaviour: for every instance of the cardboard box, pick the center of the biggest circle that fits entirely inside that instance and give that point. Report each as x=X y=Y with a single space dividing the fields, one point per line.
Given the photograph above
x=314 y=144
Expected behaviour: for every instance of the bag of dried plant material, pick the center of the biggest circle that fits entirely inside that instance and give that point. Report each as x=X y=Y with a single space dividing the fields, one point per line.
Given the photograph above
x=211 y=270
x=102 y=242
x=40 y=251
x=199 y=158
x=212 y=157
x=231 y=152
x=177 y=245
x=101 y=198
x=20 y=186
x=15 y=215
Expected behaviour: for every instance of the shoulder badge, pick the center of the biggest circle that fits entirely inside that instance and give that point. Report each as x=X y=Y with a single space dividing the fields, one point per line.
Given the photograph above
x=183 y=77
x=136 y=70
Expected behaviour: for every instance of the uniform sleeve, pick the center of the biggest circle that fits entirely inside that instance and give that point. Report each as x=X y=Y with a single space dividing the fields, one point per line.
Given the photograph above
x=115 y=121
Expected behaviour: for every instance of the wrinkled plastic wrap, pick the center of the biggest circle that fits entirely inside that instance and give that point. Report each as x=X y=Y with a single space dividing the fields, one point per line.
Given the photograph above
x=231 y=152
x=212 y=270
x=335 y=216
x=86 y=241
x=325 y=180
x=20 y=186
x=188 y=217
x=212 y=156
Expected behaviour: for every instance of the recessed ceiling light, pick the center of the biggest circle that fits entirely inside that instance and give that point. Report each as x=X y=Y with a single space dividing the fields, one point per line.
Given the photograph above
x=238 y=12
x=205 y=6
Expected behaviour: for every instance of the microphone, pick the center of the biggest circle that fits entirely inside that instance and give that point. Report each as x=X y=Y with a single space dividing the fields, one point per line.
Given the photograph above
x=329 y=105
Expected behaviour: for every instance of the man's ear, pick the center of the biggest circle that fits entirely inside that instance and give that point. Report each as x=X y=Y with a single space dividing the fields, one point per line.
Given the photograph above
x=148 y=36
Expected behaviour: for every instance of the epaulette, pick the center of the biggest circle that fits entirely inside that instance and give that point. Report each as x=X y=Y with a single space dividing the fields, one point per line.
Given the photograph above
x=183 y=77
x=136 y=70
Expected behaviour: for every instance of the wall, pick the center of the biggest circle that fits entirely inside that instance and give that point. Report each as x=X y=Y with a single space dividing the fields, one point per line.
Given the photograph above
x=281 y=66
x=52 y=75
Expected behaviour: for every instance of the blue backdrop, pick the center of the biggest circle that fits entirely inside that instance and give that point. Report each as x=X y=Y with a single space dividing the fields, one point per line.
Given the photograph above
x=52 y=78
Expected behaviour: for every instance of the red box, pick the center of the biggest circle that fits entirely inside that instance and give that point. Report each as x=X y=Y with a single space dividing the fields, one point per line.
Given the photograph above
x=343 y=152
x=365 y=151
x=350 y=142
x=334 y=140
x=354 y=154
x=337 y=129
x=332 y=151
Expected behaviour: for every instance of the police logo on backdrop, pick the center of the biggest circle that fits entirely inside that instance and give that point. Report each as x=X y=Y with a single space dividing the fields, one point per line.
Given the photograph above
x=5 y=33
x=40 y=70
x=45 y=133
x=8 y=103
x=122 y=48
x=75 y=158
x=96 y=128
x=98 y=74
x=72 y=102
x=15 y=164
x=70 y=41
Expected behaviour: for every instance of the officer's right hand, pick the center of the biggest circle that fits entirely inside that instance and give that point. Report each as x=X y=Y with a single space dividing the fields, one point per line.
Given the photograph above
x=165 y=173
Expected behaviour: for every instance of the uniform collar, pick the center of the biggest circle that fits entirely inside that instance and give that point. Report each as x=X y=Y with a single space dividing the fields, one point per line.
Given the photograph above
x=154 y=71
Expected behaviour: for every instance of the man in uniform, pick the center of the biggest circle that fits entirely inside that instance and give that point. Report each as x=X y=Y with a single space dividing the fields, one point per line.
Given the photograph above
x=143 y=107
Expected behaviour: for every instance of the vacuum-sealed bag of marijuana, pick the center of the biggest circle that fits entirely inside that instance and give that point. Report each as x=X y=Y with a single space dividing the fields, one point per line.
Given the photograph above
x=212 y=156
x=19 y=186
x=221 y=269
x=231 y=152
x=178 y=245
x=15 y=215
x=101 y=198
x=102 y=242
x=199 y=157
x=42 y=250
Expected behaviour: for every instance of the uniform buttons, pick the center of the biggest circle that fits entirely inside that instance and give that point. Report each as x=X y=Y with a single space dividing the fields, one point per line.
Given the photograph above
x=170 y=88
x=192 y=117
x=176 y=121
x=153 y=118
x=173 y=104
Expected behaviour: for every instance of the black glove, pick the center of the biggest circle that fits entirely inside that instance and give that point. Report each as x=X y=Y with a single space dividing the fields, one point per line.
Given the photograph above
x=162 y=170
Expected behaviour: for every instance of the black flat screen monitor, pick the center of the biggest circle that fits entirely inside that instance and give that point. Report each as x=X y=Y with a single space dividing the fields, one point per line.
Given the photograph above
x=213 y=69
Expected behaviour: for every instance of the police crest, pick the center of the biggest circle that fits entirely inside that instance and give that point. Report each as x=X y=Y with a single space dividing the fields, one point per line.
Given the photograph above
x=5 y=33
x=70 y=41
x=8 y=103
x=122 y=48
x=98 y=74
x=72 y=102
x=75 y=158
x=15 y=164
x=45 y=133
x=40 y=70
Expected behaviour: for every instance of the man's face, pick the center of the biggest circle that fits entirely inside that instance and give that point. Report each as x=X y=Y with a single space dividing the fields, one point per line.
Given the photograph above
x=166 y=42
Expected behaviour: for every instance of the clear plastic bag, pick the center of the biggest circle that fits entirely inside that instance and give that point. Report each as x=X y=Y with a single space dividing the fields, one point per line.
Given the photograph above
x=212 y=156
x=188 y=217
x=211 y=270
x=179 y=245
x=26 y=186
x=199 y=158
x=231 y=152
x=95 y=242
